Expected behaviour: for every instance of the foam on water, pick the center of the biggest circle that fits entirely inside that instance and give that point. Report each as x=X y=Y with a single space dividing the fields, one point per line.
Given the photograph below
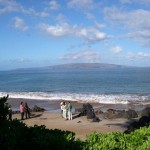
x=92 y=98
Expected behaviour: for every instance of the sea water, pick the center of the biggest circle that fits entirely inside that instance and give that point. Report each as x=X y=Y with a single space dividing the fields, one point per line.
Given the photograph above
x=110 y=86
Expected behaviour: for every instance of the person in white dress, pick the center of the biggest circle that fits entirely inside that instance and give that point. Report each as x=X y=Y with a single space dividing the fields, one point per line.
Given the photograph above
x=61 y=107
x=65 y=110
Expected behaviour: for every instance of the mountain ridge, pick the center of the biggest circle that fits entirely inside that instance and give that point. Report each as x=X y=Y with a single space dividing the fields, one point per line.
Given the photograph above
x=88 y=65
x=78 y=66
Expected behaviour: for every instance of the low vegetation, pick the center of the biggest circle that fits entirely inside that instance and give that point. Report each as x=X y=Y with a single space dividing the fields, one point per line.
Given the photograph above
x=15 y=135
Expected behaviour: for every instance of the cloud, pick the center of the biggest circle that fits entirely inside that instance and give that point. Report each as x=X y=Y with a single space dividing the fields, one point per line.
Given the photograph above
x=143 y=55
x=19 y=24
x=142 y=36
x=33 y=12
x=116 y=49
x=129 y=56
x=53 y=5
x=137 y=56
x=20 y=60
x=126 y=1
x=88 y=34
x=61 y=18
x=9 y=6
x=136 y=22
x=89 y=56
x=81 y=5
x=144 y=2
x=99 y=25
x=55 y=31
x=138 y=19
x=89 y=15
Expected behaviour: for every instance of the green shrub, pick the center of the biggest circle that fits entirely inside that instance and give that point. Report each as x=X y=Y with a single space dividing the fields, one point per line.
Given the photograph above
x=3 y=111
x=15 y=135
x=137 y=140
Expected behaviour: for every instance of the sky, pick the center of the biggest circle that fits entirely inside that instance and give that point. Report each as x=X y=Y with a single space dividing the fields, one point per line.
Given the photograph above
x=36 y=33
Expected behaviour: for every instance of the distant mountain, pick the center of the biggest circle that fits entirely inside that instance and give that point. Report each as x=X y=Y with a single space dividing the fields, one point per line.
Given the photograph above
x=76 y=66
x=86 y=66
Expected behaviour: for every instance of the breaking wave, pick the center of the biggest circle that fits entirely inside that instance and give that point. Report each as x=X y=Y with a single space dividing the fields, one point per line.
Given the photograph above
x=91 y=98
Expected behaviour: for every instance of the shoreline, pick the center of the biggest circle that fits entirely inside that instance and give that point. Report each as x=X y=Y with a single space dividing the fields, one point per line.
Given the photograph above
x=82 y=126
x=54 y=105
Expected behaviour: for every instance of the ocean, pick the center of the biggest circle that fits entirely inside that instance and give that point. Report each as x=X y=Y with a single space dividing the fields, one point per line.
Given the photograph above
x=108 y=86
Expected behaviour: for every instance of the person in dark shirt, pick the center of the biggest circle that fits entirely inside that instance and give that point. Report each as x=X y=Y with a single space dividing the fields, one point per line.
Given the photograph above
x=10 y=113
x=27 y=111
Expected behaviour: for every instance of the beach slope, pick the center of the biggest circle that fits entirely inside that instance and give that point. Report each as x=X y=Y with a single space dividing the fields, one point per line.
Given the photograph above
x=80 y=125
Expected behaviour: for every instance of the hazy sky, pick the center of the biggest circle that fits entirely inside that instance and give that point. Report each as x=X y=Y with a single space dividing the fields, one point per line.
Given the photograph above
x=36 y=33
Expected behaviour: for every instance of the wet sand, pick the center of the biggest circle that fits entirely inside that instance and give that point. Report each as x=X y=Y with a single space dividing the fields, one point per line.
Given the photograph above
x=54 y=106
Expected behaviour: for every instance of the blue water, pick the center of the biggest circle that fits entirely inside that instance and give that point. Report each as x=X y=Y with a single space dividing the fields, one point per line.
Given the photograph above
x=122 y=85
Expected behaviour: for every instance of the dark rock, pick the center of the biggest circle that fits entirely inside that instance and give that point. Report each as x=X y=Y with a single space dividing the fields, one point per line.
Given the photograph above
x=143 y=121
x=37 y=109
x=112 y=114
x=96 y=119
x=79 y=122
x=134 y=125
x=98 y=112
x=121 y=114
x=87 y=110
x=109 y=115
x=146 y=112
x=131 y=114
x=111 y=111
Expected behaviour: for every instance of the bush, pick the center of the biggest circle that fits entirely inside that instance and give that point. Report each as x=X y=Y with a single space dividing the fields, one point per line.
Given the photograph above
x=15 y=135
x=3 y=111
x=19 y=136
x=137 y=140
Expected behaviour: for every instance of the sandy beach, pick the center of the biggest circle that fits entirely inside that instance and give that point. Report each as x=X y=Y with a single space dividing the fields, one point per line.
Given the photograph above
x=82 y=126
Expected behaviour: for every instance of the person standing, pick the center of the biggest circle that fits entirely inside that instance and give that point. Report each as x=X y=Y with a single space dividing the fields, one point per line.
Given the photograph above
x=69 y=111
x=61 y=107
x=64 y=110
x=22 y=110
x=27 y=111
x=10 y=113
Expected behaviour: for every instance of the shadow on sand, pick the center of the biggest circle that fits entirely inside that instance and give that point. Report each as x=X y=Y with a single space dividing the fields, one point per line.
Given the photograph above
x=36 y=115
x=33 y=116
x=125 y=124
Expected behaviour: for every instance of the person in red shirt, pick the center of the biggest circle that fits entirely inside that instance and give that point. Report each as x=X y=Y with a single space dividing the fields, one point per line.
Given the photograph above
x=22 y=110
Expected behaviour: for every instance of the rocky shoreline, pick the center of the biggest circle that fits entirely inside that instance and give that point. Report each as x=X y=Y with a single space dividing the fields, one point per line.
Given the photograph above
x=142 y=117
x=94 y=112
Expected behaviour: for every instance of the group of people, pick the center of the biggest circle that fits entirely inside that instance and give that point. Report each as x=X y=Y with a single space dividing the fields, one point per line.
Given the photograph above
x=24 y=110
x=66 y=110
